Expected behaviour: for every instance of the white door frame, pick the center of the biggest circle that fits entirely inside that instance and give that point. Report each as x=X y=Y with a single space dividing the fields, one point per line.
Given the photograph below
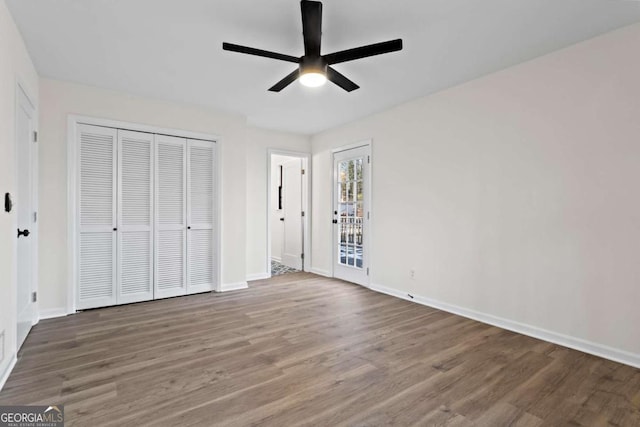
x=306 y=204
x=367 y=242
x=73 y=182
x=21 y=91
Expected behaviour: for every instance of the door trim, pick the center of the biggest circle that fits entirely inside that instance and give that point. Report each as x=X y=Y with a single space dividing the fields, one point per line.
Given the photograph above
x=363 y=143
x=333 y=174
x=73 y=120
x=306 y=205
x=21 y=89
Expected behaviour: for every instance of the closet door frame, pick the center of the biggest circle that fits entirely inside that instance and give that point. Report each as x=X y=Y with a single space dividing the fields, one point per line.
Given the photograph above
x=73 y=199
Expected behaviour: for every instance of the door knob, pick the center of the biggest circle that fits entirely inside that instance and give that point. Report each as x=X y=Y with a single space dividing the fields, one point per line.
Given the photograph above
x=335 y=221
x=281 y=219
x=24 y=233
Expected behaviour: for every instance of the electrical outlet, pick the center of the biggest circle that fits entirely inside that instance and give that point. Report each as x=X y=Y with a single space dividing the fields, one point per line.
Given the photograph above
x=412 y=274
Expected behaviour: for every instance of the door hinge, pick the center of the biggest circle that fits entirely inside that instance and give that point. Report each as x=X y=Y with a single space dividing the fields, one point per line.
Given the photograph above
x=368 y=159
x=302 y=213
x=301 y=256
x=35 y=136
x=368 y=215
x=367 y=271
x=35 y=217
x=34 y=296
x=302 y=171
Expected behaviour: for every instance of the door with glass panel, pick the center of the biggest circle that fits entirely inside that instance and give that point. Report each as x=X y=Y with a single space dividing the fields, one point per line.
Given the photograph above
x=351 y=195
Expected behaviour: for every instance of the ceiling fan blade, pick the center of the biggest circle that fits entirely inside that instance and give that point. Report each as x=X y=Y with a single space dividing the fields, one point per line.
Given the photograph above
x=341 y=80
x=363 y=51
x=259 y=52
x=285 y=82
x=311 y=26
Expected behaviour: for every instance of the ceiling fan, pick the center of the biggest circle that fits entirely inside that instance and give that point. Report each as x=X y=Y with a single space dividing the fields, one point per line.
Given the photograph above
x=315 y=69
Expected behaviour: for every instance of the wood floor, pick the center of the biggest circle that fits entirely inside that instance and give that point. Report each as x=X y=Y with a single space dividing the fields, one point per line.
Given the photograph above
x=304 y=350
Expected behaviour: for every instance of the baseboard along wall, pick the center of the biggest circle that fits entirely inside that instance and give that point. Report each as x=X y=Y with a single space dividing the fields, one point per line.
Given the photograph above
x=575 y=343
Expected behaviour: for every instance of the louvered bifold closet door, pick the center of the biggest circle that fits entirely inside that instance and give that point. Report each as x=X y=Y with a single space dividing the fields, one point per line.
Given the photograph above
x=171 y=216
x=96 y=272
x=135 y=216
x=201 y=196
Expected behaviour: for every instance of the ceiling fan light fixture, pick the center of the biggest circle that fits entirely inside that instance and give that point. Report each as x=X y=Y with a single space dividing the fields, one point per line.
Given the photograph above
x=313 y=78
x=314 y=69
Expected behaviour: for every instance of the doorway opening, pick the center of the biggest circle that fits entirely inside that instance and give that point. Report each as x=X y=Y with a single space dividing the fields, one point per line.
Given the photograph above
x=352 y=213
x=288 y=220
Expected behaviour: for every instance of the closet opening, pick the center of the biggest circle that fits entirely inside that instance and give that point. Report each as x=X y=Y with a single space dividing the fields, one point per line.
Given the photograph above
x=143 y=212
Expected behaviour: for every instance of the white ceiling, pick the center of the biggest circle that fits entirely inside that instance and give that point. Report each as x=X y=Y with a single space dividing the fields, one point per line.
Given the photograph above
x=171 y=49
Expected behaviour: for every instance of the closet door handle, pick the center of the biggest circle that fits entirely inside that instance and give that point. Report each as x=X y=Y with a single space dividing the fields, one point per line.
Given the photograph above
x=189 y=228
x=115 y=229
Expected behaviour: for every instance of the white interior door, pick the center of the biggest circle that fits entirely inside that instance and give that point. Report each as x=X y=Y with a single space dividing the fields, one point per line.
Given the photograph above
x=351 y=184
x=201 y=185
x=292 y=213
x=171 y=217
x=97 y=212
x=25 y=126
x=135 y=217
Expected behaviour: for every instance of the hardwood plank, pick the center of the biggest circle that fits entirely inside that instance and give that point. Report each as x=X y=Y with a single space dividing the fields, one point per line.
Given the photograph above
x=300 y=349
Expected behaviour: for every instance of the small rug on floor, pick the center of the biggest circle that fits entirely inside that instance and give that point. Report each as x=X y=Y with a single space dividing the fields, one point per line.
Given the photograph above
x=279 y=268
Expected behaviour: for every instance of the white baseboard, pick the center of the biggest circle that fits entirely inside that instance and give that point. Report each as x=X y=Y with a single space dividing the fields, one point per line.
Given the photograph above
x=226 y=287
x=320 y=272
x=575 y=343
x=258 y=276
x=276 y=258
x=7 y=371
x=51 y=313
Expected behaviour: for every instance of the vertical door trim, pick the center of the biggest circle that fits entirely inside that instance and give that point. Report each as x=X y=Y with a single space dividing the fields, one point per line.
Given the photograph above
x=370 y=217
x=73 y=120
x=306 y=205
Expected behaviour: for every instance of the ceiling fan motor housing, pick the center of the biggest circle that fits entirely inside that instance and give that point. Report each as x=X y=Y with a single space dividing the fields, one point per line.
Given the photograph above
x=309 y=64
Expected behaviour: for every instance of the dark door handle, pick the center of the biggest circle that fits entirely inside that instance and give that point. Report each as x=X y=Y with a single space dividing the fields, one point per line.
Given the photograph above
x=24 y=233
x=281 y=219
x=335 y=221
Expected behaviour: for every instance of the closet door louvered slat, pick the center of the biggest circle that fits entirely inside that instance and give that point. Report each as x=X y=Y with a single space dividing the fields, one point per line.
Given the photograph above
x=171 y=211
x=200 y=216
x=135 y=216
x=96 y=275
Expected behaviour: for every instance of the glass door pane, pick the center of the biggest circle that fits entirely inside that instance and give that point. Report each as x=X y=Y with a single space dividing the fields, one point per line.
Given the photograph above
x=350 y=211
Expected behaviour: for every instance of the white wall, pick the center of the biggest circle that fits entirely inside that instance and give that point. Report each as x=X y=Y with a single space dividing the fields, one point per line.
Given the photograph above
x=515 y=195
x=58 y=100
x=260 y=141
x=15 y=66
